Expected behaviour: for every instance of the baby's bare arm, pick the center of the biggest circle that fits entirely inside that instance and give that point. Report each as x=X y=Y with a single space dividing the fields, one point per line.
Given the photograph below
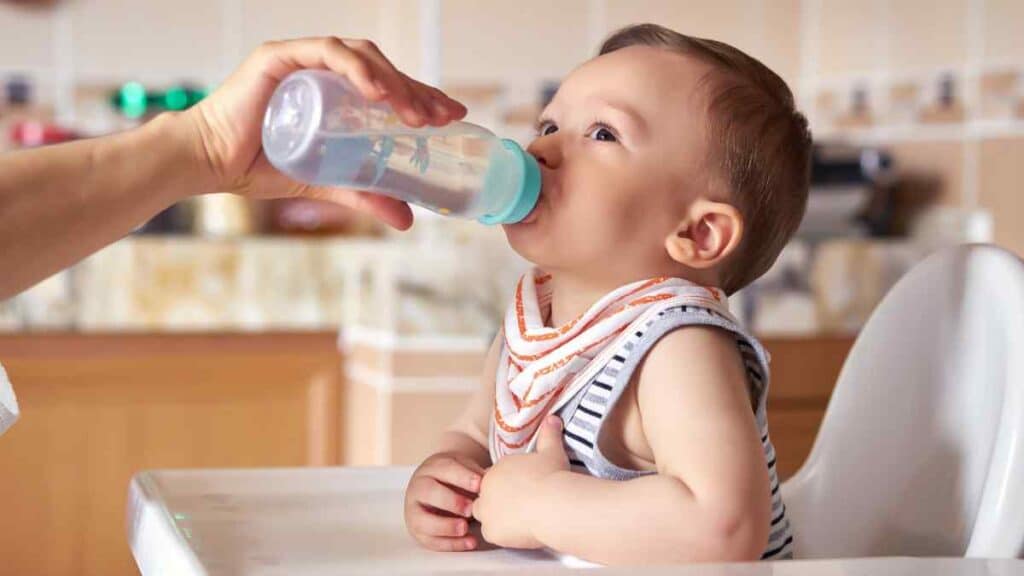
x=440 y=494
x=468 y=434
x=709 y=500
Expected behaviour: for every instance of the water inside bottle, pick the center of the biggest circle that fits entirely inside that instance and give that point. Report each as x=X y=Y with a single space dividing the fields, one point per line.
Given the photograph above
x=318 y=129
x=440 y=171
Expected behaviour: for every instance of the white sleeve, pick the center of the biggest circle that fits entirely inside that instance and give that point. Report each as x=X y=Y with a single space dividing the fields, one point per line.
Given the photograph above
x=8 y=403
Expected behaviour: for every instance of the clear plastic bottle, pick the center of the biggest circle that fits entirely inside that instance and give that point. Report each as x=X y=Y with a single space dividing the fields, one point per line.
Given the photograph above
x=318 y=129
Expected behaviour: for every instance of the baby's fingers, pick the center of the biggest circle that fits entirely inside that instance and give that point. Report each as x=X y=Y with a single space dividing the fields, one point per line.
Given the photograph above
x=428 y=523
x=464 y=544
x=455 y=473
x=432 y=493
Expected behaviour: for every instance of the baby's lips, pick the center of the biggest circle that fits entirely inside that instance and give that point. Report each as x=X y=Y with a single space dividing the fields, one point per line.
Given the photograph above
x=533 y=213
x=544 y=187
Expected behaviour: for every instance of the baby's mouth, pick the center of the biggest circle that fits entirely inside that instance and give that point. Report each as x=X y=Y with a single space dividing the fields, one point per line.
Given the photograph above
x=532 y=216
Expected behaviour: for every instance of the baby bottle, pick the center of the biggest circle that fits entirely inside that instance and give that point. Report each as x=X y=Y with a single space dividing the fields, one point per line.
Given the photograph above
x=318 y=129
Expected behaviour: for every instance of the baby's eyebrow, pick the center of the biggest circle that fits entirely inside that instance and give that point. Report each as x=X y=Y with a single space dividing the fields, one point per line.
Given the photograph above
x=630 y=115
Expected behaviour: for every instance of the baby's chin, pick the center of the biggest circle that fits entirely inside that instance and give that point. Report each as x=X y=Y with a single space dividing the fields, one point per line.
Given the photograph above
x=525 y=239
x=530 y=240
x=536 y=237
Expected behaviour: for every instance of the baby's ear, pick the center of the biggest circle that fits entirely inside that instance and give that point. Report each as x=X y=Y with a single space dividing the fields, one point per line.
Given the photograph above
x=707 y=234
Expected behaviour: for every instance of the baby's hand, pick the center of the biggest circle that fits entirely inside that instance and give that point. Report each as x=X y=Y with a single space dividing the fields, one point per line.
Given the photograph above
x=509 y=494
x=439 y=502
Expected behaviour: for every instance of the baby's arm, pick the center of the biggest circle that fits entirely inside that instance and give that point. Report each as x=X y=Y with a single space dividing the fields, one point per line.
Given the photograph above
x=709 y=500
x=468 y=434
x=439 y=498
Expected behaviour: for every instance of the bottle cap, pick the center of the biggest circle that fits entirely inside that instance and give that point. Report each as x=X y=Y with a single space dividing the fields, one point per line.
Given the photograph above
x=528 y=192
x=290 y=124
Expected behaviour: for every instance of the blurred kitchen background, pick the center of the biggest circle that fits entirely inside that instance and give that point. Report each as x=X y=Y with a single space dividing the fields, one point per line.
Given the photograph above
x=290 y=333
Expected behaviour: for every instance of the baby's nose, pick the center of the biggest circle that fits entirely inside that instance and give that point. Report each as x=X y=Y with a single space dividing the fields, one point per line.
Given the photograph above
x=545 y=149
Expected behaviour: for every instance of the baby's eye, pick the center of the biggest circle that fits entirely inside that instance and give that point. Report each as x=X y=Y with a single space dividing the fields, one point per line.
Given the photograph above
x=602 y=134
x=547 y=128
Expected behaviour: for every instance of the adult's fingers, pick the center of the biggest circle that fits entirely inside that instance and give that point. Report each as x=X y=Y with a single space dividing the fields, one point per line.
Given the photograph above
x=373 y=80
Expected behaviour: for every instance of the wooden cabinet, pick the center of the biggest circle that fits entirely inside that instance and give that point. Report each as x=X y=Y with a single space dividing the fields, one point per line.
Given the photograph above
x=804 y=373
x=96 y=409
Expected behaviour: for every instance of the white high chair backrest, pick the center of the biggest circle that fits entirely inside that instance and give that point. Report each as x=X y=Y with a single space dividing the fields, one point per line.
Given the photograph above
x=8 y=403
x=921 y=452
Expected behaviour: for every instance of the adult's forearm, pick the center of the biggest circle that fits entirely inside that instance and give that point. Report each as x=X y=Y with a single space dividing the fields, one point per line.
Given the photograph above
x=59 y=204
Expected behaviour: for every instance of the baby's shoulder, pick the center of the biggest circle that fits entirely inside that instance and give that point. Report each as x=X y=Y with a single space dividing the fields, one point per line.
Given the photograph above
x=696 y=342
x=694 y=353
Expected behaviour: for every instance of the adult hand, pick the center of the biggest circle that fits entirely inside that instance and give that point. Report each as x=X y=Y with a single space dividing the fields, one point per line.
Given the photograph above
x=227 y=125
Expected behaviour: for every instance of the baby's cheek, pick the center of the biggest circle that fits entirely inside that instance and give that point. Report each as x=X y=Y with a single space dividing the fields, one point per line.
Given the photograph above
x=605 y=218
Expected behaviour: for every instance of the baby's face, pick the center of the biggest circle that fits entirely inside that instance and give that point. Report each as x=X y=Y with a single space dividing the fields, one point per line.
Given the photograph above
x=622 y=153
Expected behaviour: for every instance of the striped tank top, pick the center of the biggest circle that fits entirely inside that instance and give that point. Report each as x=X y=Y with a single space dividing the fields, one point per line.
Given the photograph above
x=585 y=413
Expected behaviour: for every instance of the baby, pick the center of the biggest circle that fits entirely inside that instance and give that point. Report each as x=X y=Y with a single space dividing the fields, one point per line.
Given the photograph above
x=621 y=418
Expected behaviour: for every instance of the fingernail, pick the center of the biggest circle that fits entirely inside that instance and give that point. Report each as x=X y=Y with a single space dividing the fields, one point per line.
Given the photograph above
x=462 y=528
x=554 y=421
x=439 y=108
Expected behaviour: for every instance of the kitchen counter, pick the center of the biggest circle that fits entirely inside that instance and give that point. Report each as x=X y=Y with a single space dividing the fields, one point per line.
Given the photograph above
x=180 y=284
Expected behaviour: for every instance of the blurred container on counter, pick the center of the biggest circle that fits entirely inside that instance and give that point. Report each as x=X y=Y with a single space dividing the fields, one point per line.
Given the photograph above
x=222 y=215
x=33 y=133
x=134 y=100
x=303 y=216
x=21 y=116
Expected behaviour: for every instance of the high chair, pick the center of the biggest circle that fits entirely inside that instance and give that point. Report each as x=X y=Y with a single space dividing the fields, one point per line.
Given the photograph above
x=921 y=450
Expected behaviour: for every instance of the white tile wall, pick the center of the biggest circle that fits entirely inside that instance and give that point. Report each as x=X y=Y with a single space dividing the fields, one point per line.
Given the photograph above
x=522 y=42
x=274 y=20
x=850 y=39
x=927 y=34
x=392 y=24
x=765 y=29
x=1004 y=31
x=401 y=37
x=779 y=39
x=733 y=21
x=26 y=38
x=156 y=41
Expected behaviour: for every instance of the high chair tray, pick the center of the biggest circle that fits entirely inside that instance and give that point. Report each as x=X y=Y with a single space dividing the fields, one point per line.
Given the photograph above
x=319 y=521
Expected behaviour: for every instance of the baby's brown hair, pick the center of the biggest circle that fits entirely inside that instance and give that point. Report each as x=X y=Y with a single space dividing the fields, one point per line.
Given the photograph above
x=759 y=144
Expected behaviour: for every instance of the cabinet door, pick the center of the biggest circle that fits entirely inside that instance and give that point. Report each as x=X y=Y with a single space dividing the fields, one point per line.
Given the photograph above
x=803 y=374
x=97 y=409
